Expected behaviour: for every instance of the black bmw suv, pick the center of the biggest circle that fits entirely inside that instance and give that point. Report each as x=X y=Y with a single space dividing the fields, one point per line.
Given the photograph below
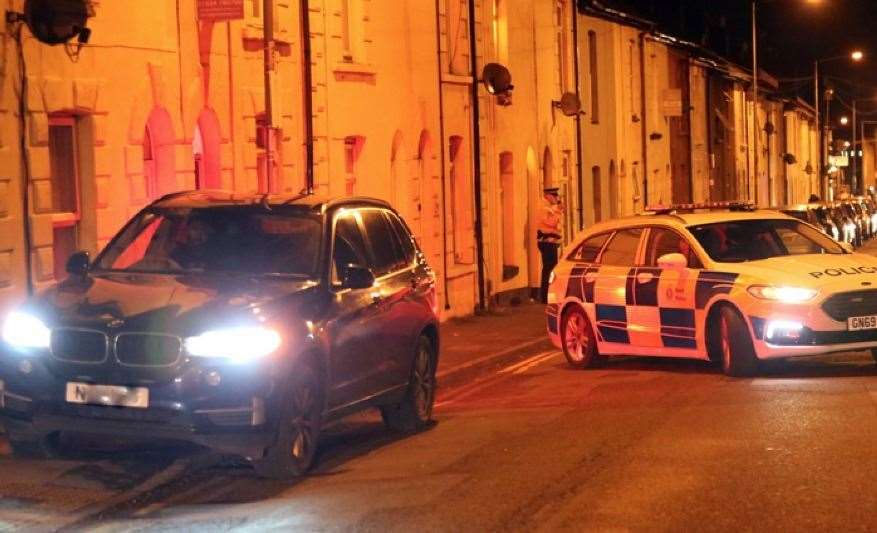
x=240 y=323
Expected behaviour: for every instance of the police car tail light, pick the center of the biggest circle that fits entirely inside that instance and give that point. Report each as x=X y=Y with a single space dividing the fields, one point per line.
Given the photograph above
x=782 y=294
x=239 y=344
x=783 y=330
x=25 y=332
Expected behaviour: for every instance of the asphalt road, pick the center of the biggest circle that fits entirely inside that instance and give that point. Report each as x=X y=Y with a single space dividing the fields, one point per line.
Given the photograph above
x=638 y=445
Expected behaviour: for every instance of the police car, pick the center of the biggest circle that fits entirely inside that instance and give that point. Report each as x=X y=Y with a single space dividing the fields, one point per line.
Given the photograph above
x=718 y=281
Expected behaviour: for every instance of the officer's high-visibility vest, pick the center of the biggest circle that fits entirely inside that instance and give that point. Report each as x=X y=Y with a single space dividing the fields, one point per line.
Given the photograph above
x=548 y=224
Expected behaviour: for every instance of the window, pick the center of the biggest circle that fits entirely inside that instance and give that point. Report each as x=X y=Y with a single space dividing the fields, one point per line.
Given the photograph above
x=406 y=241
x=500 y=31
x=593 y=68
x=457 y=36
x=461 y=197
x=664 y=241
x=349 y=248
x=621 y=250
x=352 y=38
x=385 y=252
x=507 y=199
x=561 y=24
x=597 y=184
x=65 y=189
x=751 y=240
x=352 y=149
x=589 y=250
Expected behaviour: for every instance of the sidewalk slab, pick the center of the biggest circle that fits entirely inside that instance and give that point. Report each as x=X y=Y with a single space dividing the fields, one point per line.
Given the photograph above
x=470 y=344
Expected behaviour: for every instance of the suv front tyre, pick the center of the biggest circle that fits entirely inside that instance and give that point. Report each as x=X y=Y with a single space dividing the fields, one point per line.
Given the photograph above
x=298 y=426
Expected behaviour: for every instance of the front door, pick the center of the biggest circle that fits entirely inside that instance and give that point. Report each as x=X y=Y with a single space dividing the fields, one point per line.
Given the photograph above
x=355 y=328
x=665 y=299
x=613 y=292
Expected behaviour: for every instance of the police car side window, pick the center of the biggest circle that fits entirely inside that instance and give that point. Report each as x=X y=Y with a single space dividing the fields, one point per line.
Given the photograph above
x=621 y=250
x=664 y=241
x=590 y=249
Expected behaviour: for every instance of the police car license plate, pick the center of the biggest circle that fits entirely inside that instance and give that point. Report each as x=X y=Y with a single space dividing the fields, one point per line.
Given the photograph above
x=856 y=323
x=110 y=395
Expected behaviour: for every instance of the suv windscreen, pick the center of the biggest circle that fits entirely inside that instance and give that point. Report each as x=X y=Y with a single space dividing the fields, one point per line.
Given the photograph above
x=750 y=240
x=235 y=239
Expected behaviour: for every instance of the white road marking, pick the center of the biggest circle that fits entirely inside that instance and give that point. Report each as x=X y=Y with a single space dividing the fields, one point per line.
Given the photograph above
x=527 y=363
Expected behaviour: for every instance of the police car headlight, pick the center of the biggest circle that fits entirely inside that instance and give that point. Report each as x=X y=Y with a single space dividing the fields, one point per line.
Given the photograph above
x=24 y=331
x=240 y=344
x=782 y=294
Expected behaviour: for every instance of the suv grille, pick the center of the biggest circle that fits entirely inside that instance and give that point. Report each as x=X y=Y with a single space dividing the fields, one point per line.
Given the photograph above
x=846 y=304
x=79 y=345
x=147 y=349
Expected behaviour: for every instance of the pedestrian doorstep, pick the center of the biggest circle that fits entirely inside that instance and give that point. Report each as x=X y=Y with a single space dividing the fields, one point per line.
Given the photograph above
x=473 y=342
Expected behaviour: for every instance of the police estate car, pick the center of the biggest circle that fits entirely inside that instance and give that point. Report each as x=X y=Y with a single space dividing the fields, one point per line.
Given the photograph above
x=717 y=281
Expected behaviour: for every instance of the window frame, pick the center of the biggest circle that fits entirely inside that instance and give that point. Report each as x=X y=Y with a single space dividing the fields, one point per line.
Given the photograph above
x=397 y=267
x=638 y=253
x=691 y=246
x=66 y=219
x=574 y=255
x=334 y=279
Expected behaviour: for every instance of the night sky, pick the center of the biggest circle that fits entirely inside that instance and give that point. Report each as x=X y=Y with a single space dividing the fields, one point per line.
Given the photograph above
x=792 y=33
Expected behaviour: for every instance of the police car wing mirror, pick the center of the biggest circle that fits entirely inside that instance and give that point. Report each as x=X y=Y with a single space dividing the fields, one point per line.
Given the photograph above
x=848 y=248
x=357 y=277
x=674 y=261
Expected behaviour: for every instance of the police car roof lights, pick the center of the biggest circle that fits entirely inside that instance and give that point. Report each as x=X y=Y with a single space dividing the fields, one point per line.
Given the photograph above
x=675 y=208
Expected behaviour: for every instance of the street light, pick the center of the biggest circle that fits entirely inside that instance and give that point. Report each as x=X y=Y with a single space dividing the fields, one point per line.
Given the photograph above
x=844 y=121
x=856 y=56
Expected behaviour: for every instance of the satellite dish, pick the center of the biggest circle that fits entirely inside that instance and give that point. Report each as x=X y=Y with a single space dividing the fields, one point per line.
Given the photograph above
x=497 y=79
x=57 y=21
x=569 y=104
x=769 y=128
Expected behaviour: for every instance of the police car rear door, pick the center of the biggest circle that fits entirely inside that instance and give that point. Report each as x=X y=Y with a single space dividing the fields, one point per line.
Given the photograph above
x=617 y=265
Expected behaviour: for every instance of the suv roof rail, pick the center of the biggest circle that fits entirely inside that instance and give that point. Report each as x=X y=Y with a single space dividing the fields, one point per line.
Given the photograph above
x=675 y=208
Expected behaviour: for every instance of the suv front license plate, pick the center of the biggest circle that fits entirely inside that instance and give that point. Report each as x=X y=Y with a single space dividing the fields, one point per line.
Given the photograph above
x=110 y=395
x=856 y=323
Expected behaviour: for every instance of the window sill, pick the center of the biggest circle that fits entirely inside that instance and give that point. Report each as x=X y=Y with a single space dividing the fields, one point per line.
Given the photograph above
x=344 y=68
x=63 y=220
x=455 y=79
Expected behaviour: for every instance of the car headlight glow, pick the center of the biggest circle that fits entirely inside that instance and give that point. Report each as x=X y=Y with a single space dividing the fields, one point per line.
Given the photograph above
x=783 y=329
x=238 y=343
x=24 y=331
x=782 y=294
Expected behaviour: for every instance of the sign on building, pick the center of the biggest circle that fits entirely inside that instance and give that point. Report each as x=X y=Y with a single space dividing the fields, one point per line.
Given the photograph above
x=671 y=102
x=220 y=10
x=839 y=160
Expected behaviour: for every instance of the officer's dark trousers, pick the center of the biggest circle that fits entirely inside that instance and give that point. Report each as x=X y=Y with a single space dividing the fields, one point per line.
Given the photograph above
x=548 y=251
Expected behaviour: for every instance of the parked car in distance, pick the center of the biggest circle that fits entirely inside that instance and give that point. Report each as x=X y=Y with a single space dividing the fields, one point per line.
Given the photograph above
x=815 y=214
x=239 y=323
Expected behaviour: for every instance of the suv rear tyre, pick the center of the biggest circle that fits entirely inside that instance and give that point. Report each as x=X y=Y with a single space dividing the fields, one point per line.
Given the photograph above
x=414 y=412
x=298 y=427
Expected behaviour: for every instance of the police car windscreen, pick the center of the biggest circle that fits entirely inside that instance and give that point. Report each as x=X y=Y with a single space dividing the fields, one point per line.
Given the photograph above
x=737 y=241
x=240 y=239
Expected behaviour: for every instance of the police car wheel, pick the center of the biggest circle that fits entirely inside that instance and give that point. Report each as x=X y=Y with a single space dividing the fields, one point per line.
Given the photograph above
x=734 y=344
x=298 y=426
x=578 y=339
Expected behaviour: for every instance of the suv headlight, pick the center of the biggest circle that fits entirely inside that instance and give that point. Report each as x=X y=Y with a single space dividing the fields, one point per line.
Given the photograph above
x=783 y=294
x=239 y=344
x=24 y=331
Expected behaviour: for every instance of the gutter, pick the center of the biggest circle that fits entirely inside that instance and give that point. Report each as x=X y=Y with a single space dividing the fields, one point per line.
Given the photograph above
x=438 y=62
x=476 y=150
x=307 y=93
x=579 y=162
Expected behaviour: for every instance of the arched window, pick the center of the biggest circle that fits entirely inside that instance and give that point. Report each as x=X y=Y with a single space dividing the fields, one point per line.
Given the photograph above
x=159 y=168
x=206 y=151
x=461 y=196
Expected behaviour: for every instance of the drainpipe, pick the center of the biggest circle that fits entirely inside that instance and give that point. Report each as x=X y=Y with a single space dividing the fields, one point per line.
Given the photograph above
x=476 y=150
x=438 y=62
x=268 y=65
x=644 y=111
x=307 y=93
x=25 y=163
x=579 y=173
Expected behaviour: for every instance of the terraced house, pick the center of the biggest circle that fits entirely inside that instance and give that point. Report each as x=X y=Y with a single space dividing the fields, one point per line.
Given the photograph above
x=385 y=99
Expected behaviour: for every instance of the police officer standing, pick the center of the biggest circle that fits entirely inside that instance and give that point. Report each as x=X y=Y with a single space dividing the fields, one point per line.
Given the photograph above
x=548 y=235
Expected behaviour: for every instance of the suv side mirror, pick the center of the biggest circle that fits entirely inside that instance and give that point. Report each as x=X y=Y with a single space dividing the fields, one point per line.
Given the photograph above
x=78 y=264
x=357 y=277
x=674 y=261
